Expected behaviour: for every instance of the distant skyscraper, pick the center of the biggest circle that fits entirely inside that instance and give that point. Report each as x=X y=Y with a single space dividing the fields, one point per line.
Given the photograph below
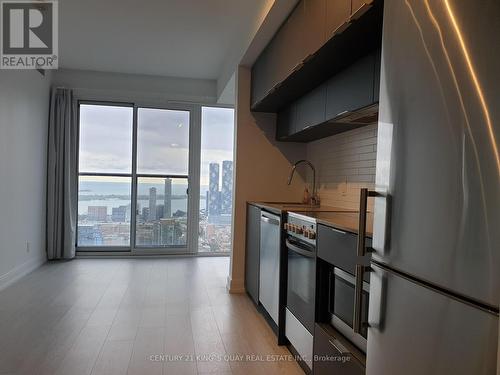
x=213 y=189
x=167 y=204
x=227 y=187
x=119 y=214
x=97 y=213
x=145 y=213
x=160 y=211
x=152 y=204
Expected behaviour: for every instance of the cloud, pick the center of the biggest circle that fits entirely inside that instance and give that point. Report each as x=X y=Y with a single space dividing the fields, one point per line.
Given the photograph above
x=163 y=139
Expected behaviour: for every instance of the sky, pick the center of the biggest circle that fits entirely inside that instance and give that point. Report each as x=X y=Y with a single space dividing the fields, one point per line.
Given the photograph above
x=163 y=139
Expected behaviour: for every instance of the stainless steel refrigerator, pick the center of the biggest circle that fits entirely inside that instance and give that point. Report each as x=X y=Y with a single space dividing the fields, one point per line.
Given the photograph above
x=434 y=291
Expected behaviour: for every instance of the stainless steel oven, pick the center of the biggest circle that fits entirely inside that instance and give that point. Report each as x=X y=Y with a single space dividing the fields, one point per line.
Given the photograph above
x=301 y=281
x=301 y=284
x=341 y=305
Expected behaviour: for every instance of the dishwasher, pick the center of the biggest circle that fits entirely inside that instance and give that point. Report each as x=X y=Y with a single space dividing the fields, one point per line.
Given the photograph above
x=270 y=226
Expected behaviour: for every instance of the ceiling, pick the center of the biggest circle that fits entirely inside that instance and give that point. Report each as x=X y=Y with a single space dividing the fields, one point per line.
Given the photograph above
x=183 y=38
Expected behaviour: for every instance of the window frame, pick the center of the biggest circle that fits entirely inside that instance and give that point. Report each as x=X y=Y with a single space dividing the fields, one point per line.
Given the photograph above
x=193 y=178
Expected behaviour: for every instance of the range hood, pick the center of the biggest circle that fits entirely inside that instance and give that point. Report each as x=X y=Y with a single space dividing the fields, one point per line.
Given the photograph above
x=363 y=116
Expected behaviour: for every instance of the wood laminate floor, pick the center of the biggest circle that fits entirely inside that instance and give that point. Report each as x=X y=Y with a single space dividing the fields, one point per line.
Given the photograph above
x=134 y=316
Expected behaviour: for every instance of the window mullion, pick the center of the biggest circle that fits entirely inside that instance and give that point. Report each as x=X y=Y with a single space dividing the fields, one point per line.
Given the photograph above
x=133 y=213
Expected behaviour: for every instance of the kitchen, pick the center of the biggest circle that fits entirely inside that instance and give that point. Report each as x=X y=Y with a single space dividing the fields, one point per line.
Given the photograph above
x=367 y=200
x=250 y=187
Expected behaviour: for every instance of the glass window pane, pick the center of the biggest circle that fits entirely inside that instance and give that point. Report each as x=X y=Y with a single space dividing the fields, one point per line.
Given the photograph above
x=162 y=141
x=104 y=211
x=216 y=179
x=162 y=205
x=105 y=139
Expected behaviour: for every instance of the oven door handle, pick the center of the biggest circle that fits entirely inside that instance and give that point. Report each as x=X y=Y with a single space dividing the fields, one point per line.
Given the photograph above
x=298 y=250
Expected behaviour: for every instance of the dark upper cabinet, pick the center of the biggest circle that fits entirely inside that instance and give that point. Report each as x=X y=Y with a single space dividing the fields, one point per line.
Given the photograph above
x=318 y=113
x=314 y=26
x=319 y=39
x=286 y=123
x=252 y=253
x=310 y=109
x=301 y=35
x=261 y=76
x=351 y=89
x=337 y=15
x=279 y=58
x=283 y=58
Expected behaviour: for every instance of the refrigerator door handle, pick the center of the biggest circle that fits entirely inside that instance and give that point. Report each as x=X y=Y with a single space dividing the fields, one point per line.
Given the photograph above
x=361 y=252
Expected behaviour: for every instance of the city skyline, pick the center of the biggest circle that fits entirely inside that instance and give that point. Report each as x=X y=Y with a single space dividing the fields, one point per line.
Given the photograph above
x=157 y=223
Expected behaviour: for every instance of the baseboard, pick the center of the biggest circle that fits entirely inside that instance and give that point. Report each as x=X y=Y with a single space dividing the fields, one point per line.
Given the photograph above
x=235 y=286
x=18 y=272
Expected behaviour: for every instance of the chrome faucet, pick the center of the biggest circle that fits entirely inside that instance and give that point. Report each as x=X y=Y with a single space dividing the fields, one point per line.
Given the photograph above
x=314 y=199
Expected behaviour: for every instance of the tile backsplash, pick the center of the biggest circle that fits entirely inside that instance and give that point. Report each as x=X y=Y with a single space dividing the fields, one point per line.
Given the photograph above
x=344 y=164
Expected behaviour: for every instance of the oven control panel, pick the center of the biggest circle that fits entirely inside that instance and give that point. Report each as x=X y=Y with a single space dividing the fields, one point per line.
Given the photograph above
x=300 y=228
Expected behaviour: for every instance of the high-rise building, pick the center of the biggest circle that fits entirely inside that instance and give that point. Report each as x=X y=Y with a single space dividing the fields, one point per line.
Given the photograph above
x=152 y=204
x=213 y=190
x=167 y=204
x=145 y=213
x=227 y=187
x=119 y=214
x=160 y=211
x=97 y=213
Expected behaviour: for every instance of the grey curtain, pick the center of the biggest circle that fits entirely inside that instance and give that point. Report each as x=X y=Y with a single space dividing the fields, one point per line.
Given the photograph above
x=62 y=185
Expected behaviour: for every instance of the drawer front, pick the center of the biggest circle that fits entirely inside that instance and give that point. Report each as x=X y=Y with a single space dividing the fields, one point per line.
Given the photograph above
x=331 y=356
x=339 y=248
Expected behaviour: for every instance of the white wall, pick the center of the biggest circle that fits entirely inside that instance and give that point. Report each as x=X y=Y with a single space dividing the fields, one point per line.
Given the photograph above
x=141 y=89
x=24 y=106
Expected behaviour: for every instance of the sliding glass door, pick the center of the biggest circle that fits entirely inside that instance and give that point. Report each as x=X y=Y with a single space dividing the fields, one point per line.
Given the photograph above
x=155 y=180
x=105 y=176
x=133 y=179
x=162 y=178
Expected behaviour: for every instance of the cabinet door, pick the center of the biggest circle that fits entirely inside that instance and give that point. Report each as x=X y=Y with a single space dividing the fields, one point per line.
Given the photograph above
x=337 y=14
x=286 y=123
x=283 y=53
x=288 y=47
x=261 y=79
x=252 y=252
x=314 y=29
x=311 y=109
x=351 y=89
x=331 y=355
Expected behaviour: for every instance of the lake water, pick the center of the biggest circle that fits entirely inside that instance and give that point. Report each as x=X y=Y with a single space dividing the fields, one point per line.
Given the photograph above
x=106 y=189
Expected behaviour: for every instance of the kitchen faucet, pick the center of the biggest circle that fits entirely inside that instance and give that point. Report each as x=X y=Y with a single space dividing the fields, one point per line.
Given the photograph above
x=314 y=199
